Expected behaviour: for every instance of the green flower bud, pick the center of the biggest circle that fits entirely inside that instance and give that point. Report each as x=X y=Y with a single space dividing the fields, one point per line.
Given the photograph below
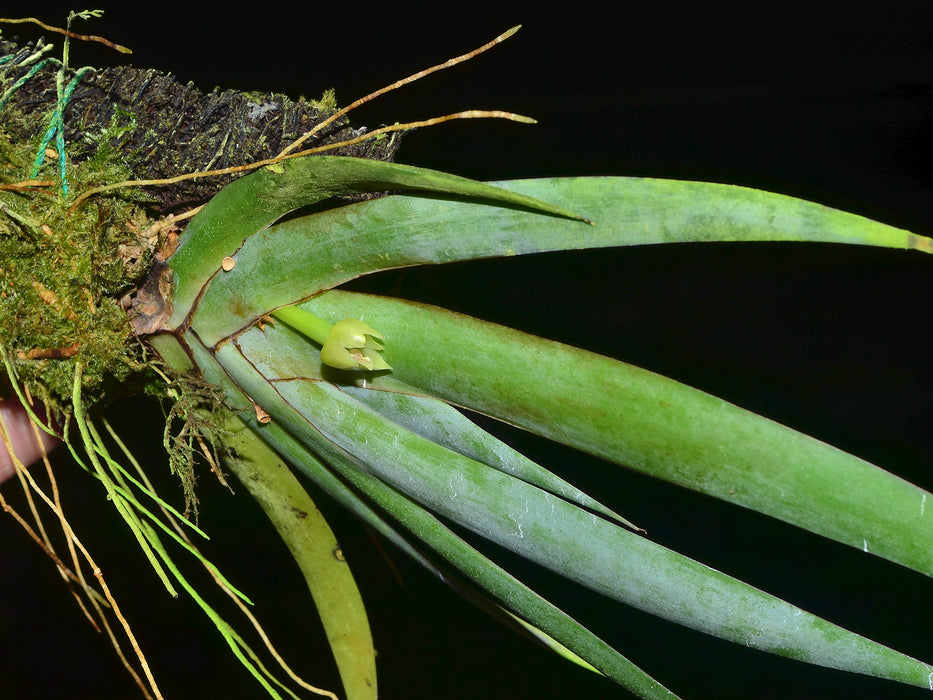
x=353 y=345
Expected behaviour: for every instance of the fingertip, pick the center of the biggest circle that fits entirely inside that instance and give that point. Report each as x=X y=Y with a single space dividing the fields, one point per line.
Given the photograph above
x=29 y=443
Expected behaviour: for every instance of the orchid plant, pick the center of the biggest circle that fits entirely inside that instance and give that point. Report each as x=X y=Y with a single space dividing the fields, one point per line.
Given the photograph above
x=301 y=388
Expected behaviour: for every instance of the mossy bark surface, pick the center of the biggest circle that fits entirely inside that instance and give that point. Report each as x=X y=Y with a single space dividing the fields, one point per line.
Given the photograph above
x=66 y=268
x=163 y=127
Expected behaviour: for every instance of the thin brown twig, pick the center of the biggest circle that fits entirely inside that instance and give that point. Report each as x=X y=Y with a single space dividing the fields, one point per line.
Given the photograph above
x=90 y=592
x=56 y=504
x=62 y=521
x=29 y=485
x=129 y=633
x=286 y=153
x=66 y=32
x=467 y=114
x=399 y=83
x=76 y=576
x=70 y=538
x=68 y=573
x=27 y=184
x=268 y=642
x=19 y=472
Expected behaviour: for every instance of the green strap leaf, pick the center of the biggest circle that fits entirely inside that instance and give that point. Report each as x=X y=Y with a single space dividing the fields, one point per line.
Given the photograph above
x=312 y=544
x=553 y=532
x=280 y=354
x=304 y=256
x=426 y=528
x=436 y=421
x=649 y=423
x=307 y=453
x=257 y=200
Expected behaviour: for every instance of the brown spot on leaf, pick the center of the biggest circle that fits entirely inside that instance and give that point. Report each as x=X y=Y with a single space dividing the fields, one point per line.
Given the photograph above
x=261 y=415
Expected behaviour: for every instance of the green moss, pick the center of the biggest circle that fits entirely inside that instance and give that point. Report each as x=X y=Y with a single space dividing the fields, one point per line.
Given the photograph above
x=328 y=101
x=62 y=274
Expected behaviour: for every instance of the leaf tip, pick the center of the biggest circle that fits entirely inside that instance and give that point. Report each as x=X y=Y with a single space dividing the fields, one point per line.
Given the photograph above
x=921 y=243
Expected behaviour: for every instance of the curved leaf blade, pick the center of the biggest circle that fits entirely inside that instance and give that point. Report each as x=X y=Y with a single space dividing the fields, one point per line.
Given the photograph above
x=649 y=423
x=302 y=257
x=281 y=354
x=257 y=200
x=557 y=534
x=312 y=544
x=438 y=422
x=456 y=552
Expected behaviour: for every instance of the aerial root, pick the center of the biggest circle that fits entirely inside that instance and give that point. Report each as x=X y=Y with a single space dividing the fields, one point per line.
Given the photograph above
x=68 y=33
x=287 y=152
x=96 y=600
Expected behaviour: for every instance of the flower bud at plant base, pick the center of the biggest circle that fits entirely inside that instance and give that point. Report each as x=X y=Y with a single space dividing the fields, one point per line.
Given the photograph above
x=353 y=345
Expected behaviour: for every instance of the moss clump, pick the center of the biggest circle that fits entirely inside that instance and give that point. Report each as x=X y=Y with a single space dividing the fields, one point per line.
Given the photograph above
x=62 y=274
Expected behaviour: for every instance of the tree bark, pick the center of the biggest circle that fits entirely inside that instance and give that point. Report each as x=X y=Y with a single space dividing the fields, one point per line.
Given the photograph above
x=170 y=128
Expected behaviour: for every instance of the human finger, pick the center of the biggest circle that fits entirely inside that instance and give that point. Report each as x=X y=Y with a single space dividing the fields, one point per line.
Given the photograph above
x=27 y=445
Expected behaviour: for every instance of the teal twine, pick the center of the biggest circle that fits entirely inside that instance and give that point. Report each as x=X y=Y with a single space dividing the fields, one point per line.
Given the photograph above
x=57 y=129
x=19 y=83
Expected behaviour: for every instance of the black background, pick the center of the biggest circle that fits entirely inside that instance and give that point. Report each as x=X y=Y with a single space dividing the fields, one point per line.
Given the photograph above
x=811 y=101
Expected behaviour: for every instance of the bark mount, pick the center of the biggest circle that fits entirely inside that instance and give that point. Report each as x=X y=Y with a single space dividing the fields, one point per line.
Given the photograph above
x=167 y=127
